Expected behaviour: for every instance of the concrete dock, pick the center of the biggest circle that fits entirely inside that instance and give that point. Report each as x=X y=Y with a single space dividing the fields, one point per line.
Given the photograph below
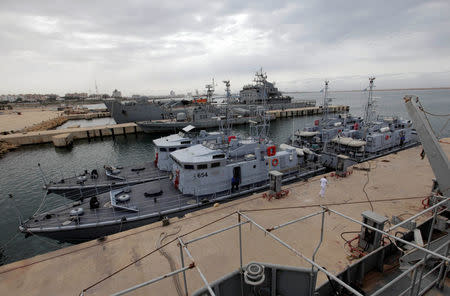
x=397 y=184
x=307 y=111
x=40 y=137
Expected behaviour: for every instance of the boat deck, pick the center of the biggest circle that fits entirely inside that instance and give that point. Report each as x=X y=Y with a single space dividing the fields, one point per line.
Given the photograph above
x=147 y=203
x=84 y=185
x=397 y=183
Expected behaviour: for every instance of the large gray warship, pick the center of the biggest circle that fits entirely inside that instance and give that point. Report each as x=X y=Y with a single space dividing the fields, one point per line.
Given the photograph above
x=250 y=97
x=205 y=116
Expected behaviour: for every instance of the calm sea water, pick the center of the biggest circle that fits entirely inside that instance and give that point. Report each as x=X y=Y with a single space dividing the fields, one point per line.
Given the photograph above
x=21 y=177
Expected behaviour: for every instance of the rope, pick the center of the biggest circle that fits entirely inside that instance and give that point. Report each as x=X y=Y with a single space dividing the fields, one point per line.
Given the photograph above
x=153 y=251
x=364 y=187
x=443 y=127
x=41 y=204
x=432 y=114
x=175 y=278
x=331 y=204
x=3 y=247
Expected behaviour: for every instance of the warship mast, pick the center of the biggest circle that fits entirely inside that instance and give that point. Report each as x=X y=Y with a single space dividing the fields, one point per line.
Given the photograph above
x=227 y=128
x=262 y=129
x=210 y=91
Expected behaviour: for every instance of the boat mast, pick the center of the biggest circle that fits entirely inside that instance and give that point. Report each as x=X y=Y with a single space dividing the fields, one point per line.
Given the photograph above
x=326 y=100
x=325 y=110
x=369 y=112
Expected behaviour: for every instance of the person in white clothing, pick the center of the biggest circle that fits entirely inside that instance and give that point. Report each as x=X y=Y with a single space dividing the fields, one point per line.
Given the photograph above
x=323 y=186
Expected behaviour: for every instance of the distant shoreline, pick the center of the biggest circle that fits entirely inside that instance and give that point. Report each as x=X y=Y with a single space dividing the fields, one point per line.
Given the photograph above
x=360 y=90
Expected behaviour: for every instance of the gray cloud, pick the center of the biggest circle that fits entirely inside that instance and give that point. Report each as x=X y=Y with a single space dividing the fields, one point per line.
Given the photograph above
x=155 y=46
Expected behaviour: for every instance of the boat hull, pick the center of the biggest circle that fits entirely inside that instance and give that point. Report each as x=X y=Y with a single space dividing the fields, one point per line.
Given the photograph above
x=174 y=126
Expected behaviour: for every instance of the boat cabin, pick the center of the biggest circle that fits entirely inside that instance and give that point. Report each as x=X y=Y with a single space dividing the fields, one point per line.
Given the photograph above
x=203 y=170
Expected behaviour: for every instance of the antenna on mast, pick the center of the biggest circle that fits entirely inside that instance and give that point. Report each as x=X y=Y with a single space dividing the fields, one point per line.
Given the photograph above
x=210 y=90
x=96 y=88
x=227 y=129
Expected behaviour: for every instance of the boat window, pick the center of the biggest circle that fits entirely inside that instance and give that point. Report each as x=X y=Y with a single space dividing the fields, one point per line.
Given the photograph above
x=215 y=164
x=189 y=166
x=162 y=149
x=185 y=142
x=202 y=166
x=218 y=156
x=172 y=149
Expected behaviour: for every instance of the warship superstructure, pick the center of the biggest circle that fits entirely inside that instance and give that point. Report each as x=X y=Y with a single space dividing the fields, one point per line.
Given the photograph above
x=138 y=110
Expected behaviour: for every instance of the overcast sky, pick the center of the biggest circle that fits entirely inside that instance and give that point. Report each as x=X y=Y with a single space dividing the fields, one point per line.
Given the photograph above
x=152 y=47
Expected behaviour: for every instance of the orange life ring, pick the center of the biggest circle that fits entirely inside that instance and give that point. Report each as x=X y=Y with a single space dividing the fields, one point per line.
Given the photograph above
x=271 y=150
x=275 y=162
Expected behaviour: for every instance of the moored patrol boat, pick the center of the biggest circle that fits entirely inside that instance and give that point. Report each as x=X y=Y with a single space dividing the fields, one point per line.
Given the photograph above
x=354 y=138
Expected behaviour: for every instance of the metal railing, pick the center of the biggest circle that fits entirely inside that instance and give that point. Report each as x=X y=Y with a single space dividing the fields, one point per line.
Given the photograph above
x=414 y=288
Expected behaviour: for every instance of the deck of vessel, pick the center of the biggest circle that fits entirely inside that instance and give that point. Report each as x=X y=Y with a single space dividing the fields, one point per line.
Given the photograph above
x=396 y=185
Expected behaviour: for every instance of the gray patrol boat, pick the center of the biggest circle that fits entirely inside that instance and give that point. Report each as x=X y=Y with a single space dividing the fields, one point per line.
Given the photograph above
x=355 y=139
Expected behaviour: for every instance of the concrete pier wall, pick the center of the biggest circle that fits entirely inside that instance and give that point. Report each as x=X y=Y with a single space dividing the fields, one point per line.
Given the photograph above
x=76 y=133
x=307 y=111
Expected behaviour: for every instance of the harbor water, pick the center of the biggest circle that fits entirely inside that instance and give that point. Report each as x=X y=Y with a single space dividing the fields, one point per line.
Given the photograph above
x=21 y=179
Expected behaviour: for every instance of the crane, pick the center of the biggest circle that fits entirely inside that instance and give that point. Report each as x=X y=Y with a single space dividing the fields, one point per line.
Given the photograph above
x=435 y=154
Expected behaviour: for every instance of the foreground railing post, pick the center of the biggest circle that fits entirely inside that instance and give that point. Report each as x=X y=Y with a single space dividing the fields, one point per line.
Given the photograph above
x=315 y=252
x=208 y=286
x=413 y=281
x=443 y=270
x=241 y=271
x=430 y=234
x=184 y=272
